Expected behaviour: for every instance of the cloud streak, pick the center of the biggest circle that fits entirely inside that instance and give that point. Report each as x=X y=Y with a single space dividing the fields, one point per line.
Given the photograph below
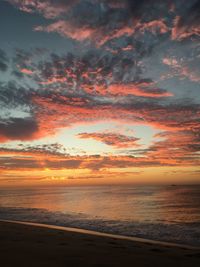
x=48 y=8
x=112 y=139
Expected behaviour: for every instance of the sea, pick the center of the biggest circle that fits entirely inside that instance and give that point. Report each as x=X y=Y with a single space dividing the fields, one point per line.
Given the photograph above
x=166 y=213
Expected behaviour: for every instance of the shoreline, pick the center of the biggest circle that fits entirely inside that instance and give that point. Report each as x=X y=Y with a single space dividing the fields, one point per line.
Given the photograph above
x=102 y=234
x=29 y=244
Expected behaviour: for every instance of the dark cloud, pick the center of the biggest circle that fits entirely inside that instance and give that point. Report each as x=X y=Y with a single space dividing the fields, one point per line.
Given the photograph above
x=54 y=149
x=13 y=94
x=3 y=61
x=136 y=6
x=9 y=163
x=64 y=163
x=146 y=9
x=191 y=18
x=97 y=14
x=187 y=22
x=18 y=129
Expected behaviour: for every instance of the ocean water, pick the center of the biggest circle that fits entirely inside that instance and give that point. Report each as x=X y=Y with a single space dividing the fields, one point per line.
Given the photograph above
x=165 y=213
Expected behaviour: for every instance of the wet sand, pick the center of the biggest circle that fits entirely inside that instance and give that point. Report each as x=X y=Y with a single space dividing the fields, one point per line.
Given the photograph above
x=29 y=245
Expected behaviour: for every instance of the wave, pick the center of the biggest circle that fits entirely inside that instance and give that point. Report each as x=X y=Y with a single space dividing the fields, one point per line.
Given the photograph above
x=180 y=233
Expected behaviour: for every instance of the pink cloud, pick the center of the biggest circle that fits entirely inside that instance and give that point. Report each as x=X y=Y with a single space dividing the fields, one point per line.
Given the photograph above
x=137 y=89
x=26 y=71
x=154 y=26
x=67 y=29
x=48 y=8
x=182 y=69
x=99 y=35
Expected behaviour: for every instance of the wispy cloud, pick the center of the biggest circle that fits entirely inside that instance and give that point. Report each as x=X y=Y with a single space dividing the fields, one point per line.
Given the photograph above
x=112 y=139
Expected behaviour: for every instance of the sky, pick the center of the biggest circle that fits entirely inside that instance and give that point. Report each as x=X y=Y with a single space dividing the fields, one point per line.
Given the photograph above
x=99 y=92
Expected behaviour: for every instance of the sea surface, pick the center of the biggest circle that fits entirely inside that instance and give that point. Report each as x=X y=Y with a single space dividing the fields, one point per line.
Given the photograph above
x=164 y=213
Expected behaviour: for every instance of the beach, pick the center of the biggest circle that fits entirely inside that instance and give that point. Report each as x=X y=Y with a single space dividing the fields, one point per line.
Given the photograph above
x=34 y=245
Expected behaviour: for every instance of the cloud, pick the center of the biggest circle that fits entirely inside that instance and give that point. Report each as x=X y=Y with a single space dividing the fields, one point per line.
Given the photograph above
x=103 y=174
x=112 y=139
x=76 y=89
x=48 y=8
x=73 y=110
x=141 y=89
x=183 y=152
x=91 y=68
x=184 y=67
x=18 y=129
x=92 y=162
x=66 y=29
x=24 y=61
x=3 y=61
x=97 y=73
x=45 y=150
x=26 y=71
x=98 y=36
x=15 y=102
x=111 y=75
x=9 y=163
x=185 y=148
x=187 y=24
x=155 y=26
x=102 y=22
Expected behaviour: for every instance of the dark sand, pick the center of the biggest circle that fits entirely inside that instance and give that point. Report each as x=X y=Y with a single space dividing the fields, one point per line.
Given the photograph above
x=26 y=245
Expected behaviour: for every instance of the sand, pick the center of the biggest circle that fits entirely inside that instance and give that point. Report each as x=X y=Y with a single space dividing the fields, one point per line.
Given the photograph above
x=29 y=245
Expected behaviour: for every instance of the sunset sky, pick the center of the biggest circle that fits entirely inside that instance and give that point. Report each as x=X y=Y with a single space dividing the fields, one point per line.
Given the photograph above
x=99 y=91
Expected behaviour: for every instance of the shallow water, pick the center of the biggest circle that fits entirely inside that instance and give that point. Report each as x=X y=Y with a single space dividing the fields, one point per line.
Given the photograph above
x=166 y=213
